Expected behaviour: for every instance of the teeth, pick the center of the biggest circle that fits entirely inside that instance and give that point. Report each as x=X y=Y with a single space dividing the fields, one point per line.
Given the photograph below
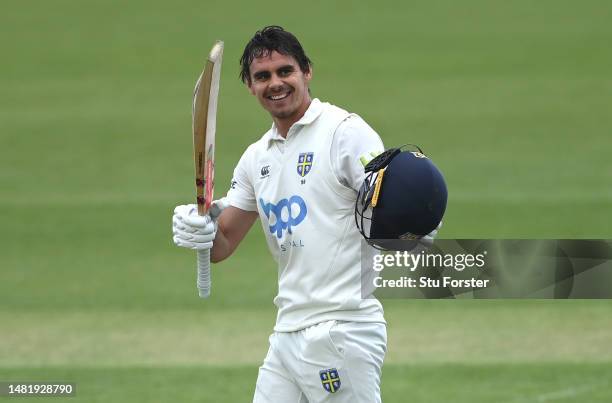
x=277 y=97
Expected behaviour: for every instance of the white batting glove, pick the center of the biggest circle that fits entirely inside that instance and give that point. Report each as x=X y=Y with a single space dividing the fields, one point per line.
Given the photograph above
x=193 y=231
x=424 y=243
x=217 y=207
x=427 y=240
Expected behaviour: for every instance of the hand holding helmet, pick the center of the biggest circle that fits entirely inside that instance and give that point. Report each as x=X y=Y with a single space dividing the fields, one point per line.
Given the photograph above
x=402 y=200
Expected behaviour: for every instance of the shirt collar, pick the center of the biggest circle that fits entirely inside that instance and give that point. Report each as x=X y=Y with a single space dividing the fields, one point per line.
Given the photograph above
x=314 y=110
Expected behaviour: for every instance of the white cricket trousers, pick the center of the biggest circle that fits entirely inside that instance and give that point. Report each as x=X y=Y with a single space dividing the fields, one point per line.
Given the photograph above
x=332 y=361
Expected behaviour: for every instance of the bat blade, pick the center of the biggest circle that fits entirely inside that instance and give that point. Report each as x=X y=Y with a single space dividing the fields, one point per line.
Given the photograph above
x=204 y=124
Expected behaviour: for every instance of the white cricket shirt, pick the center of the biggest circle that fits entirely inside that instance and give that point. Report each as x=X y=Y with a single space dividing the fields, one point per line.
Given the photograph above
x=304 y=188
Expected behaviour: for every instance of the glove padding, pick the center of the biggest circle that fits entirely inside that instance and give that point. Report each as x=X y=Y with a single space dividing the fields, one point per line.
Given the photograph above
x=427 y=240
x=424 y=243
x=193 y=231
x=217 y=207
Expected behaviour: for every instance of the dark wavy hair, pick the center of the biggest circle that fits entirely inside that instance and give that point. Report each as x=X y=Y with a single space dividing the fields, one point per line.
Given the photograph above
x=265 y=41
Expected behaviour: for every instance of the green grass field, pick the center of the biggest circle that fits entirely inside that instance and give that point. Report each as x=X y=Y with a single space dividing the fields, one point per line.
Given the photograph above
x=511 y=99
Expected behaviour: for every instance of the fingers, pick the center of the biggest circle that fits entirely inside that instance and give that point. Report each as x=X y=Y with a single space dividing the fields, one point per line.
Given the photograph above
x=426 y=241
x=188 y=226
x=435 y=231
x=191 y=237
x=196 y=221
x=191 y=245
x=188 y=215
x=185 y=209
x=191 y=230
x=194 y=239
x=430 y=237
x=188 y=212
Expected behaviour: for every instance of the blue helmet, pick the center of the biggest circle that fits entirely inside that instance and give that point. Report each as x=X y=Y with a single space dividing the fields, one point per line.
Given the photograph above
x=402 y=198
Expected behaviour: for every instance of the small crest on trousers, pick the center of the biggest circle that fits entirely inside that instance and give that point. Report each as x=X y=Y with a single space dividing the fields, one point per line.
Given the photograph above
x=330 y=380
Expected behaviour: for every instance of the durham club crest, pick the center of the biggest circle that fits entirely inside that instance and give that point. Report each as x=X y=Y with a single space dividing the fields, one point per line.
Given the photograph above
x=304 y=163
x=330 y=380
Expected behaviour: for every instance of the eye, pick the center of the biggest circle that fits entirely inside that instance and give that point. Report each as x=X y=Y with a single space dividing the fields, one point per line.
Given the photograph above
x=285 y=71
x=261 y=76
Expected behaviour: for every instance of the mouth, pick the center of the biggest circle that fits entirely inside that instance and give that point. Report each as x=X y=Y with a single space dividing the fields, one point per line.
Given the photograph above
x=278 y=97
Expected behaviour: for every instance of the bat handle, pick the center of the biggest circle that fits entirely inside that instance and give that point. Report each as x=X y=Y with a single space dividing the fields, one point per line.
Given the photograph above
x=203 y=279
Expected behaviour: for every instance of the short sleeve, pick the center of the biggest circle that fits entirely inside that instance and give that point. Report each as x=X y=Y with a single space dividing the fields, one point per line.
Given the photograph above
x=241 y=193
x=354 y=142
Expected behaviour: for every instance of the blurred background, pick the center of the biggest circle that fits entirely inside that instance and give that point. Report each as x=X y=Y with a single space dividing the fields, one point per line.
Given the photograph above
x=510 y=99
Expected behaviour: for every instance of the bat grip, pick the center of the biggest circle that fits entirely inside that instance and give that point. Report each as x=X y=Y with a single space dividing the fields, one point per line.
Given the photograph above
x=203 y=279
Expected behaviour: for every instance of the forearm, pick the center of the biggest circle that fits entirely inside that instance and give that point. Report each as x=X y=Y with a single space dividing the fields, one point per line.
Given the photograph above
x=221 y=248
x=233 y=225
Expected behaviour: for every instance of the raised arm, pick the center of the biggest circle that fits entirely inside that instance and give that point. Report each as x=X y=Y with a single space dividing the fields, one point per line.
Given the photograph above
x=233 y=225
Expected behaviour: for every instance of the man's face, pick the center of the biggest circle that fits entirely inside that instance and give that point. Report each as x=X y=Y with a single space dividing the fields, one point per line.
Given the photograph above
x=280 y=86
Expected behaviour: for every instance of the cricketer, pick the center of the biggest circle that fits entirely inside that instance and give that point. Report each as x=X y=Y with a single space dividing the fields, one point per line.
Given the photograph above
x=301 y=179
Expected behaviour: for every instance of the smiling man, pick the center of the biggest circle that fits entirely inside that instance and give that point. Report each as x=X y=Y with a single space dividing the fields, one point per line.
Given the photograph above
x=301 y=179
x=281 y=87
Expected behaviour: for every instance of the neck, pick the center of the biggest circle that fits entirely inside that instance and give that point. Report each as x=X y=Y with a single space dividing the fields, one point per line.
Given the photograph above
x=284 y=124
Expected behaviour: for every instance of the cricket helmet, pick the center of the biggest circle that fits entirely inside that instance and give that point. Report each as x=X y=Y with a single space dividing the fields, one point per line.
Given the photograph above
x=403 y=197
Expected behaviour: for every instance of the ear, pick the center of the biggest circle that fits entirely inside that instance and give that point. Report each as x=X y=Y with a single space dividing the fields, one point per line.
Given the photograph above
x=308 y=74
x=250 y=87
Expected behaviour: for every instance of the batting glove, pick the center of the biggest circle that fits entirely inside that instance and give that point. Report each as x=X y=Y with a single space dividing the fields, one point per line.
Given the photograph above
x=427 y=240
x=217 y=207
x=193 y=231
x=424 y=243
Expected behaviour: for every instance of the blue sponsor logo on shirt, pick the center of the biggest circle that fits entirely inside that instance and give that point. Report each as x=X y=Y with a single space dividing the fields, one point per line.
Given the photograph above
x=287 y=214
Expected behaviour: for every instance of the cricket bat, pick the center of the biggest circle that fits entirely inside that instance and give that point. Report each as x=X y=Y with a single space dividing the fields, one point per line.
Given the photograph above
x=204 y=122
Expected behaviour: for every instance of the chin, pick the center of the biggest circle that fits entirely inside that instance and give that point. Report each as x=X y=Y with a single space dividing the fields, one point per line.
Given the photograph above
x=283 y=113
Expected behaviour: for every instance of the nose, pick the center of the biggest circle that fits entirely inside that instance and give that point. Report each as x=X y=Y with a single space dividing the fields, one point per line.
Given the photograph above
x=275 y=82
